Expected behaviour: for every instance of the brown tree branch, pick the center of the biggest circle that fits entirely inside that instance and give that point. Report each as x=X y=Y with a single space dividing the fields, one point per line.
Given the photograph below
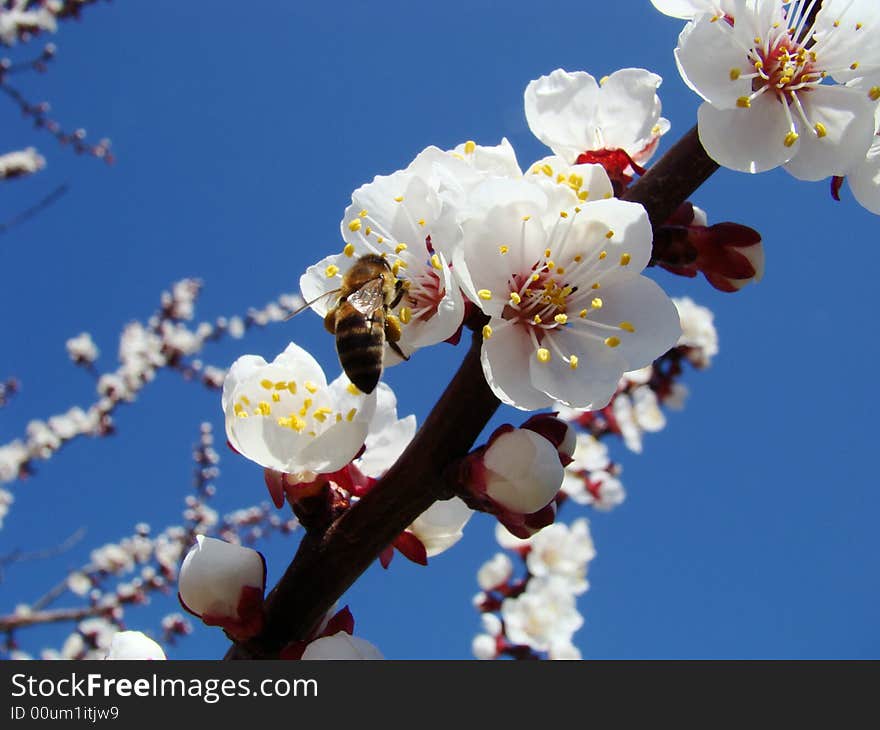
x=673 y=179
x=325 y=565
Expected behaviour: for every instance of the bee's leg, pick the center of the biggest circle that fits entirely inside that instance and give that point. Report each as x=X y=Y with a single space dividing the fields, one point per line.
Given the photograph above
x=392 y=334
x=330 y=321
x=401 y=287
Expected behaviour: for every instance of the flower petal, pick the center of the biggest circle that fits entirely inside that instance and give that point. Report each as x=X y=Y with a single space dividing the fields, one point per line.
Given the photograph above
x=560 y=110
x=707 y=52
x=643 y=304
x=847 y=119
x=748 y=140
x=506 y=358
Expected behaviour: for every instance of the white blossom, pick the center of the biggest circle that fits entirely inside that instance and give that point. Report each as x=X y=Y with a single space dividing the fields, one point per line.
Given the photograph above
x=82 y=348
x=23 y=162
x=6 y=499
x=698 y=331
x=284 y=416
x=563 y=551
x=688 y=9
x=484 y=647
x=495 y=572
x=12 y=457
x=569 y=311
x=778 y=90
x=574 y=114
x=341 y=646
x=134 y=645
x=544 y=615
x=17 y=19
x=864 y=177
x=401 y=217
x=388 y=435
x=564 y=650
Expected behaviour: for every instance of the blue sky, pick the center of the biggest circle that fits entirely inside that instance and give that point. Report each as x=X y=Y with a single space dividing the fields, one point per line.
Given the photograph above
x=241 y=131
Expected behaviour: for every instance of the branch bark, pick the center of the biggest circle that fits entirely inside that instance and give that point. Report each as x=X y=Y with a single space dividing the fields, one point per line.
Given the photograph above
x=326 y=565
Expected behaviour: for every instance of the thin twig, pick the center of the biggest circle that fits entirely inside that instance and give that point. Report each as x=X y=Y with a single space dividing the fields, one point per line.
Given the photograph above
x=39 y=207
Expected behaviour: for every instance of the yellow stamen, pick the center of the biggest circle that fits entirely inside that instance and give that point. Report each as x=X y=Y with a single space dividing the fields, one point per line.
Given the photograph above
x=276 y=397
x=821 y=131
x=435 y=262
x=353 y=389
x=582 y=314
x=469 y=147
x=331 y=271
x=398 y=199
x=874 y=93
x=735 y=74
x=744 y=102
x=597 y=303
x=543 y=354
x=355 y=225
x=263 y=408
x=561 y=319
x=291 y=386
x=537 y=319
x=267 y=384
x=399 y=247
x=573 y=362
x=487 y=332
x=515 y=298
x=603 y=255
x=790 y=139
x=612 y=341
x=503 y=249
x=625 y=258
x=348 y=250
x=484 y=294
x=311 y=387
x=351 y=414
x=627 y=327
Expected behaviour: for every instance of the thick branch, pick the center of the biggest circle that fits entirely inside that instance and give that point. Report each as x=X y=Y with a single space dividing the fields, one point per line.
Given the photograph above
x=673 y=179
x=326 y=565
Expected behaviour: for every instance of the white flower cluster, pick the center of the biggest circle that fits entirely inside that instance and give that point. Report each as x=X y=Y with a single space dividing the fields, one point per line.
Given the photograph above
x=538 y=614
x=22 y=162
x=591 y=478
x=550 y=257
x=785 y=85
x=164 y=342
x=22 y=19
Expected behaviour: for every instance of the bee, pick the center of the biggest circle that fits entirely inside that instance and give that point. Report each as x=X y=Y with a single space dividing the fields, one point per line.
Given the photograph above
x=362 y=321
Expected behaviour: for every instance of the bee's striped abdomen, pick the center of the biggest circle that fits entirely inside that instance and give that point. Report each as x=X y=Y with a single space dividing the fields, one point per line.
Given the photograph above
x=360 y=344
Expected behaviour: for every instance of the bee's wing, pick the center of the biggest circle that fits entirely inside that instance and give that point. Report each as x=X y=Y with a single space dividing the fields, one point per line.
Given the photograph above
x=368 y=298
x=309 y=304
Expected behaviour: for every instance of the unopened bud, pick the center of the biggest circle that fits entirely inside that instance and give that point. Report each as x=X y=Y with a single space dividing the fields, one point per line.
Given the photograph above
x=134 y=645
x=341 y=646
x=223 y=585
x=522 y=471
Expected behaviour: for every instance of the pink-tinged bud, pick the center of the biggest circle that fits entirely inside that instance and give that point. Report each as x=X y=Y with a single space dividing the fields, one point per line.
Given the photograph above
x=729 y=255
x=223 y=585
x=134 y=645
x=522 y=471
x=341 y=646
x=557 y=432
